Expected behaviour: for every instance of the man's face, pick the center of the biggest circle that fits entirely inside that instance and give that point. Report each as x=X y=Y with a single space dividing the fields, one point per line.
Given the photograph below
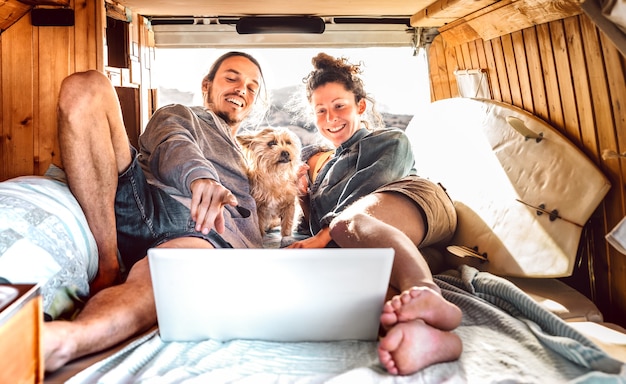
x=234 y=90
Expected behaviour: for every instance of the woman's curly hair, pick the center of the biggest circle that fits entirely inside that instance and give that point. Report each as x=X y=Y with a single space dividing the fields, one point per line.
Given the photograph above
x=328 y=69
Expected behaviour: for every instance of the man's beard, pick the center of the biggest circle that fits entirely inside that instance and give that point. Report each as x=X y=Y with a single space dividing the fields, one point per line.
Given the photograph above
x=227 y=118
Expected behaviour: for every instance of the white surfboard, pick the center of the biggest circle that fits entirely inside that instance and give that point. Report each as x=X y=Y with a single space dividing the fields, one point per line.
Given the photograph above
x=522 y=191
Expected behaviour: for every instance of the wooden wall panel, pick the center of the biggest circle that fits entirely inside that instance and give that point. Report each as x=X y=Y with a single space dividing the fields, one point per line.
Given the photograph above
x=500 y=67
x=586 y=135
x=3 y=160
x=569 y=74
x=564 y=77
x=521 y=64
x=33 y=63
x=17 y=103
x=535 y=73
x=53 y=64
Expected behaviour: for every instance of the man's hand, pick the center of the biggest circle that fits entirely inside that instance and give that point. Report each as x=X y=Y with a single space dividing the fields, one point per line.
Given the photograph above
x=208 y=197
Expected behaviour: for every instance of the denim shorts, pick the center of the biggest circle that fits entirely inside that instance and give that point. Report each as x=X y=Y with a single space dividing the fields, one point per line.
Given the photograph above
x=147 y=216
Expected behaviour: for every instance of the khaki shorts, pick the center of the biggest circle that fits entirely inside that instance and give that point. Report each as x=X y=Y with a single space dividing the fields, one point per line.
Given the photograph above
x=436 y=206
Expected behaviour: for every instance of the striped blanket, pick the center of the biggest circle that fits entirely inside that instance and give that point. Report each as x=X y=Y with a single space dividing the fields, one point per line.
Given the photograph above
x=45 y=239
x=507 y=337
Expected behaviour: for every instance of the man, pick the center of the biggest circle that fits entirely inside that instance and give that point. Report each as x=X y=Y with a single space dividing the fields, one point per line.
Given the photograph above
x=185 y=188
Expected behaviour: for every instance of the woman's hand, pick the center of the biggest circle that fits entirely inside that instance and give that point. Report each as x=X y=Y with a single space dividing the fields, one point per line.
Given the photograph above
x=320 y=240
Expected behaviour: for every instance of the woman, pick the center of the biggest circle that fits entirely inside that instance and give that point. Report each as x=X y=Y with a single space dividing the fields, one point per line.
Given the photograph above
x=367 y=195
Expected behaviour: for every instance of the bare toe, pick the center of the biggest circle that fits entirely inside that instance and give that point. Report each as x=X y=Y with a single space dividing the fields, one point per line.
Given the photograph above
x=388 y=317
x=411 y=346
x=428 y=305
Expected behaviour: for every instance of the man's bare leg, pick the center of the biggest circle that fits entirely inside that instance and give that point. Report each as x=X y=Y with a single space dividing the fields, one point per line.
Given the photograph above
x=110 y=317
x=418 y=321
x=94 y=150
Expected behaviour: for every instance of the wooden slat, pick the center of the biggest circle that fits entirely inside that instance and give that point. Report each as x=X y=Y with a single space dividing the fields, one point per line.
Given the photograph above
x=17 y=103
x=500 y=65
x=507 y=16
x=36 y=99
x=452 y=64
x=492 y=71
x=564 y=75
x=89 y=35
x=54 y=66
x=599 y=92
x=10 y=12
x=439 y=83
x=535 y=73
x=80 y=37
x=511 y=70
x=463 y=33
x=549 y=76
x=587 y=133
x=442 y=12
x=473 y=54
x=523 y=14
x=482 y=61
x=521 y=63
x=462 y=53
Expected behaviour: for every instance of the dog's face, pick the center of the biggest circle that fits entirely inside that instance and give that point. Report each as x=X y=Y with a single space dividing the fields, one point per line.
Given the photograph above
x=271 y=149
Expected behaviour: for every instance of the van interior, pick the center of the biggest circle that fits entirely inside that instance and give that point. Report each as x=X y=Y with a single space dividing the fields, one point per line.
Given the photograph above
x=558 y=65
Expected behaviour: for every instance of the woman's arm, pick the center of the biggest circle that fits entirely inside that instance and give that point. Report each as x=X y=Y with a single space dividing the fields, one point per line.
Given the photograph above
x=320 y=240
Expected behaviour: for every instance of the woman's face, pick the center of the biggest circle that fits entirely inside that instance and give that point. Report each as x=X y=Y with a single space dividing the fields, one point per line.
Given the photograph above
x=337 y=115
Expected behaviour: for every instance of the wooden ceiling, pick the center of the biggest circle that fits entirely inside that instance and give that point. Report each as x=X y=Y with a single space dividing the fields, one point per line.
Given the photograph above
x=505 y=15
x=362 y=8
x=460 y=20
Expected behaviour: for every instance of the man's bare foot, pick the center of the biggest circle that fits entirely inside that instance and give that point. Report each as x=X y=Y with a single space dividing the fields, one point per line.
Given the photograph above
x=421 y=303
x=411 y=346
x=57 y=344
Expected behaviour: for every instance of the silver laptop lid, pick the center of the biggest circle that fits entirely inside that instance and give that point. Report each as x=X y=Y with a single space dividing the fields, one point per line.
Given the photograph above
x=270 y=294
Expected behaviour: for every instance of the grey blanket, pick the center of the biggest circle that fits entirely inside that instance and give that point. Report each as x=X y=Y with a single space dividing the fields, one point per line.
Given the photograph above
x=506 y=337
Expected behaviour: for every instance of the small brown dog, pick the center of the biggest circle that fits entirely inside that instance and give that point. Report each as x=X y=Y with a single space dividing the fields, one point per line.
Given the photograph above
x=273 y=156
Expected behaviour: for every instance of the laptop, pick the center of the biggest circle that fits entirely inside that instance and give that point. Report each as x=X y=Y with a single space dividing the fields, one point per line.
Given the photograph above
x=268 y=294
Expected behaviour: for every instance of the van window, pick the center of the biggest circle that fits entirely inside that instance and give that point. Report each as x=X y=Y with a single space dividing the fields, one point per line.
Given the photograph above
x=395 y=77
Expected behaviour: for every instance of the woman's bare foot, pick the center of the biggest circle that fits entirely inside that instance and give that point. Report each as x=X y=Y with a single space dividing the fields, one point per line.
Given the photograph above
x=417 y=324
x=421 y=303
x=411 y=346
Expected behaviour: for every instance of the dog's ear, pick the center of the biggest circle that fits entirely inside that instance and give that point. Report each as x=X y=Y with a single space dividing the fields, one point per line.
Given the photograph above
x=244 y=139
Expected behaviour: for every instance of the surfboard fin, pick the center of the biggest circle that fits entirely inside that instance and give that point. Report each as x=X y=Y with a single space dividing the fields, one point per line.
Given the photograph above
x=520 y=127
x=463 y=251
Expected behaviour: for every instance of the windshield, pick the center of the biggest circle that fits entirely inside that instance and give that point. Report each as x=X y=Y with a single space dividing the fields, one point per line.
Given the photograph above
x=394 y=76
